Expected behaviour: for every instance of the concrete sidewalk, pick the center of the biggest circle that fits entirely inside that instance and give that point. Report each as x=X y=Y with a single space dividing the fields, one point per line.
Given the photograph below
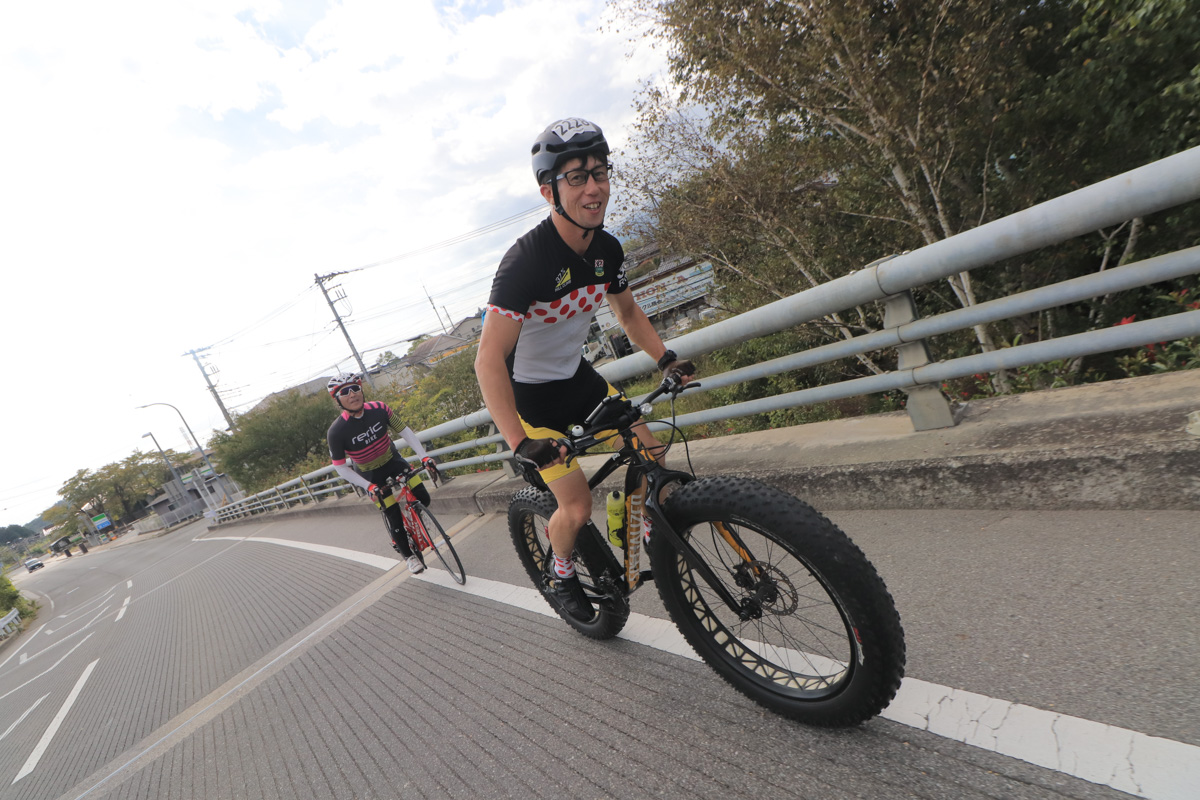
x=1116 y=445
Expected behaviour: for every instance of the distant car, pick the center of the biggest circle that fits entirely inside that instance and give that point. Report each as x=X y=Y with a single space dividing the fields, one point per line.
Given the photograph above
x=33 y=563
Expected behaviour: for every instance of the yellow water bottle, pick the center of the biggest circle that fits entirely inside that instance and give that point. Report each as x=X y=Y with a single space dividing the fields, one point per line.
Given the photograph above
x=616 y=518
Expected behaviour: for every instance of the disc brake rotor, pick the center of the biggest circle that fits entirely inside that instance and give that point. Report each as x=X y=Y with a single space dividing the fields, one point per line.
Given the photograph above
x=768 y=588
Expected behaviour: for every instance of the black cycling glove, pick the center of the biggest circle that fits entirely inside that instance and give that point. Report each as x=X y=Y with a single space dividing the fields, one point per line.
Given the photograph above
x=538 y=452
x=670 y=363
x=680 y=368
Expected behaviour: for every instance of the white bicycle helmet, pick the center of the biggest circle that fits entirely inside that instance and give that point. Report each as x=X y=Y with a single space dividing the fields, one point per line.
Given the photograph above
x=338 y=381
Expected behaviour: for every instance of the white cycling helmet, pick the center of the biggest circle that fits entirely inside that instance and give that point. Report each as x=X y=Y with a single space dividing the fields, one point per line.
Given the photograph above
x=338 y=381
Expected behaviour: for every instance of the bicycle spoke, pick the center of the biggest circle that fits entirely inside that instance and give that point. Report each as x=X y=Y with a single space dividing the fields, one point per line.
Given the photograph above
x=440 y=544
x=802 y=641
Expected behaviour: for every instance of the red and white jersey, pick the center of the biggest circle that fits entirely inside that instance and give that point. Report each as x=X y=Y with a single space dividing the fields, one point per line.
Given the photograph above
x=554 y=292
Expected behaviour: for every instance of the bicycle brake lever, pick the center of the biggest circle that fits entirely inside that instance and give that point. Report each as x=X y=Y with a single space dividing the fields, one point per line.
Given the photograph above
x=570 y=454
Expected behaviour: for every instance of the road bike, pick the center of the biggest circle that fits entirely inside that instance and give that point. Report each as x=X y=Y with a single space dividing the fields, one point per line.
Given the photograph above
x=770 y=594
x=422 y=528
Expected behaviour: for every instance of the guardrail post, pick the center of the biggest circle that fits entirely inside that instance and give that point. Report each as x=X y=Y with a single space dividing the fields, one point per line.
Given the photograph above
x=501 y=447
x=927 y=407
x=307 y=491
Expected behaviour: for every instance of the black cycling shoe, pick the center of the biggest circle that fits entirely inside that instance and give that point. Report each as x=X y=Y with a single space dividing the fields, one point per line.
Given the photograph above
x=568 y=593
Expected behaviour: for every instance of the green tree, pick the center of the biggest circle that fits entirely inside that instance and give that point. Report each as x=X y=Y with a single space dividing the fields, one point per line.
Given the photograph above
x=12 y=533
x=385 y=358
x=900 y=99
x=10 y=598
x=450 y=390
x=8 y=595
x=268 y=445
x=811 y=138
x=117 y=489
x=766 y=221
x=68 y=520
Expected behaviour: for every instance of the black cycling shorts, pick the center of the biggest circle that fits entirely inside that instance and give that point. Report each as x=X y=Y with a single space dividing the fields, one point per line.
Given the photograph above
x=560 y=404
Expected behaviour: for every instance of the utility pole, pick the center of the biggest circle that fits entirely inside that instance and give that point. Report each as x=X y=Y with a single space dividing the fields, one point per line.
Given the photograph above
x=211 y=388
x=337 y=318
x=435 y=311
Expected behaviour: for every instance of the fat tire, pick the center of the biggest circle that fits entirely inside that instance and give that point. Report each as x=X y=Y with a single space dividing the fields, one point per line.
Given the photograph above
x=434 y=530
x=824 y=597
x=528 y=513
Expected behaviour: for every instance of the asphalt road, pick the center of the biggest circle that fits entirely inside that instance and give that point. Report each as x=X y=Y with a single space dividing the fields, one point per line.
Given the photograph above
x=240 y=664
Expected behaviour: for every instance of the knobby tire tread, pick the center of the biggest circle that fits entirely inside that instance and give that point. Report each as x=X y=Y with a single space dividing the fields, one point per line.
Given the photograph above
x=850 y=582
x=526 y=507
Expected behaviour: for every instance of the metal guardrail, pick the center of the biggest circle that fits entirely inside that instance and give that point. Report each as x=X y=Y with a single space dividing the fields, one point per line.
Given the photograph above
x=309 y=488
x=1140 y=192
x=9 y=623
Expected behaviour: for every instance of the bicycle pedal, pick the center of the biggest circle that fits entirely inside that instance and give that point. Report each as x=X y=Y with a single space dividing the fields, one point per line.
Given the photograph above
x=646 y=575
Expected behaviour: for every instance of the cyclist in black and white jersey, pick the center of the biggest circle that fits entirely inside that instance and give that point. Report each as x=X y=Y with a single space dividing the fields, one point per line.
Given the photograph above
x=362 y=435
x=534 y=379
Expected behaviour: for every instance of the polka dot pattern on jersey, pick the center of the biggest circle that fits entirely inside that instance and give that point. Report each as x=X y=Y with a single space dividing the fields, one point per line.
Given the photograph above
x=580 y=301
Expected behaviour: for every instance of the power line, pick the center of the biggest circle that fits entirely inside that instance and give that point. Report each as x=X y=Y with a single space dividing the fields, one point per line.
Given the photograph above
x=342 y=321
x=272 y=315
x=463 y=237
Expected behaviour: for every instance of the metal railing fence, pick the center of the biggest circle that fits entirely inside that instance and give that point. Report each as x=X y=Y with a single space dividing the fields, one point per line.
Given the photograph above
x=1138 y=193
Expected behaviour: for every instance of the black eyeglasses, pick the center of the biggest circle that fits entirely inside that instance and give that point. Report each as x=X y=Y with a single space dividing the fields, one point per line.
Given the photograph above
x=578 y=177
x=350 y=388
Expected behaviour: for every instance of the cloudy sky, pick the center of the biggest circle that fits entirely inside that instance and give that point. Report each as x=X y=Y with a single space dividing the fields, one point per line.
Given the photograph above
x=174 y=175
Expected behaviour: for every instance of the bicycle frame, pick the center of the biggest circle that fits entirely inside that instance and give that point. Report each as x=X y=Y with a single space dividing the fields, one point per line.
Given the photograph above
x=641 y=464
x=412 y=523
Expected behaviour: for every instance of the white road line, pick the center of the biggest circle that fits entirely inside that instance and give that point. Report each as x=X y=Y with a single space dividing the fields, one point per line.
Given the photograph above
x=1144 y=766
x=79 y=612
x=128 y=584
x=87 y=625
x=1132 y=762
x=19 y=649
x=21 y=718
x=379 y=562
x=124 y=606
x=47 y=669
x=36 y=756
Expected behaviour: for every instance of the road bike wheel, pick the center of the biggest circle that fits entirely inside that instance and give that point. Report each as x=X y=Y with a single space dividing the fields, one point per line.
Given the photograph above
x=441 y=544
x=528 y=514
x=823 y=643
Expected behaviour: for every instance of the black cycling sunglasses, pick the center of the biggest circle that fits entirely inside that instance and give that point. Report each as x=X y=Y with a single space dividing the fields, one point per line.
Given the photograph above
x=350 y=388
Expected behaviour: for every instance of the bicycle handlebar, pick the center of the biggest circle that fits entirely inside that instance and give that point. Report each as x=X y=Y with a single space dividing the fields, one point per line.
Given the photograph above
x=435 y=475
x=626 y=417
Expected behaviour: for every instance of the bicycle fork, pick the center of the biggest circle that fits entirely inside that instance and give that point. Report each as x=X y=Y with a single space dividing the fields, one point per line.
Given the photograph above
x=662 y=528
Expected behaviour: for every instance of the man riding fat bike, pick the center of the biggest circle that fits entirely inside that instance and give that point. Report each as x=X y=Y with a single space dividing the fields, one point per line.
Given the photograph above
x=544 y=297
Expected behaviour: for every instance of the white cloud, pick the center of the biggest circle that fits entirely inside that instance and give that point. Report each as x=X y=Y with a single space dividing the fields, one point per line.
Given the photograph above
x=175 y=171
